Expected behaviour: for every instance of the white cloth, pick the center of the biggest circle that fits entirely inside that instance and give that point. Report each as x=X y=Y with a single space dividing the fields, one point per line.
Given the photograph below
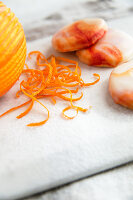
x=39 y=158
x=116 y=184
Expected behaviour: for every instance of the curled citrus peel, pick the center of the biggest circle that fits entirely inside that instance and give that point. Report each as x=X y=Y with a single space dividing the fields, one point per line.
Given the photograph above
x=15 y=108
x=51 y=79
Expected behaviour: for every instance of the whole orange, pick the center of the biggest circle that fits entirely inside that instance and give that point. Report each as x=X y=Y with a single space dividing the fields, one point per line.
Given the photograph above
x=12 y=49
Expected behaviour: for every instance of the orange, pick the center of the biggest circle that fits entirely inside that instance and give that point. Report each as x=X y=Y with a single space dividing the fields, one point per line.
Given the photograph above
x=12 y=49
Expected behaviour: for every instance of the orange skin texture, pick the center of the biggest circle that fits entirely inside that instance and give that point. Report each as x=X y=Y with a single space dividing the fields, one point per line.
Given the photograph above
x=79 y=35
x=12 y=49
x=95 y=57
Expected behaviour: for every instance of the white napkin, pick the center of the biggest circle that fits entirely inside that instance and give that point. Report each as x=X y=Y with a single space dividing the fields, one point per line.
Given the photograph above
x=115 y=184
x=33 y=159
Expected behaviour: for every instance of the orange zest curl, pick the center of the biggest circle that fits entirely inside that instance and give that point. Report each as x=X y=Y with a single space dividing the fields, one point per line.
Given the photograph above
x=15 y=108
x=68 y=108
x=26 y=111
x=51 y=79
